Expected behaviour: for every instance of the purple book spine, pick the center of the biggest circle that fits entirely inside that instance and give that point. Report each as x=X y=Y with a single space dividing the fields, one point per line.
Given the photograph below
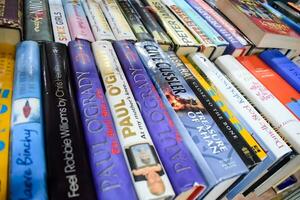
x=110 y=173
x=180 y=166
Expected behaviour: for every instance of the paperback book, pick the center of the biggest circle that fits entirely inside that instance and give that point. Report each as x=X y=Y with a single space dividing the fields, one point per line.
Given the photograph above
x=147 y=172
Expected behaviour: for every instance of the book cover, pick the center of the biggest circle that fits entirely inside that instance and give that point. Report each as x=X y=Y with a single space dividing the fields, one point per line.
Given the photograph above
x=69 y=174
x=27 y=151
x=109 y=169
x=116 y=20
x=184 y=42
x=134 y=21
x=59 y=23
x=219 y=87
x=7 y=61
x=153 y=27
x=234 y=48
x=11 y=21
x=286 y=94
x=147 y=172
x=77 y=22
x=211 y=150
x=185 y=176
x=241 y=140
x=97 y=20
x=283 y=66
x=220 y=43
x=37 y=23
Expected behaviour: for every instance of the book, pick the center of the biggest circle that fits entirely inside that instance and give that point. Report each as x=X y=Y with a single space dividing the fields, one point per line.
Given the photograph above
x=134 y=21
x=97 y=20
x=241 y=140
x=59 y=23
x=11 y=21
x=295 y=6
x=148 y=174
x=283 y=66
x=220 y=88
x=27 y=149
x=77 y=22
x=69 y=175
x=37 y=22
x=287 y=11
x=234 y=48
x=109 y=169
x=263 y=28
x=286 y=94
x=185 y=176
x=152 y=25
x=116 y=20
x=7 y=61
x=211 y=150
x=183 y=40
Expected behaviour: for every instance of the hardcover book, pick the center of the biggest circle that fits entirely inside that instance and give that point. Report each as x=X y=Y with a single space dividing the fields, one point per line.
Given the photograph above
x=147 y=172
x=234 y=48
x=116 y=20
x=212 y=34
x=283 y=66
x=27 y=156
x=219 y=87
x=211 y=150
x=152 y=25
x=7 y=61
x=134 y=21
x=262 y=27
x=98 y=23
x=184 y=42
x=286 y=94
x=11 y=18
x=69 y=175
x=77 y=22
x=183 y=172
x=59 y=22
x=109 y=169
x=37 y=23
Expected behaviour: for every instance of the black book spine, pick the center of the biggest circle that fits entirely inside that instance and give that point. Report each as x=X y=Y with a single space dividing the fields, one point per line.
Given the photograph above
x=69 y=175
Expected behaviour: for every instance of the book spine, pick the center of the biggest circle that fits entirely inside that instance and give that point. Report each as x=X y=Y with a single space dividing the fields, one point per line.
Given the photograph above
x=233 y=130
x=105 y=153
x=152 y=25
x=178 y=33
x=98 y=23
x=7 y=62
x=37 y=21
x=141 y=156
x=194 y=118
x=134 y=21
x=27 y=135
x=59 y=22
x=283 y=66
x=234 y=44
x=77 y=22
x=180 y=166
x=69 y=175
x=282 y=120
x=116 y=20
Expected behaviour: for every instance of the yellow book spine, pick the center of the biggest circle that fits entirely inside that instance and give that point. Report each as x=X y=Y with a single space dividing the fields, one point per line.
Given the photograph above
x=217 y=97
x=7 y=60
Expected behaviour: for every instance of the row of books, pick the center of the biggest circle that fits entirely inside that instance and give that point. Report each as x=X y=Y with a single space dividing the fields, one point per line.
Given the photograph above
x=193 y=134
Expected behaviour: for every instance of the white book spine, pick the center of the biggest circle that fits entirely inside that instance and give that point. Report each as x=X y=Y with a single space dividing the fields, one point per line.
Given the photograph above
x=276 y=113
x=97 y=20
x=59 y=22
x=116 y=20
x=148 y=174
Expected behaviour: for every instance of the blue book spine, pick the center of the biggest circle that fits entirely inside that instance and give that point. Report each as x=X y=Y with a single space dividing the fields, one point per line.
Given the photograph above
x=234 y=44
x=28 y=167
x=283 y=66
